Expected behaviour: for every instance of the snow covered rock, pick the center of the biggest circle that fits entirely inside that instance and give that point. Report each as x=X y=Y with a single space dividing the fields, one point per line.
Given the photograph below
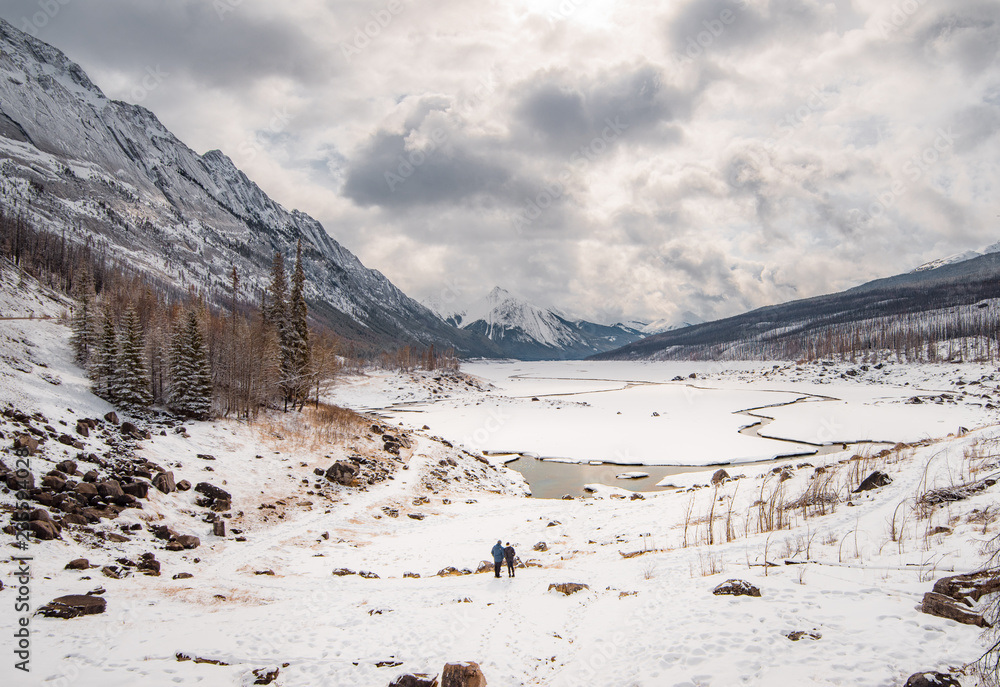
x=736 y=588
x=342 y=473
x=464 y=674
x=719 y=476
x=568 y=588
x=932 y=679
x=73 y=606
x=874 y=481
x=164 y=481
x=946 y=607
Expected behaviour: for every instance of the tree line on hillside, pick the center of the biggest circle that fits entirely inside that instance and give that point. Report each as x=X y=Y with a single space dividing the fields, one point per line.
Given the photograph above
x=144 y=342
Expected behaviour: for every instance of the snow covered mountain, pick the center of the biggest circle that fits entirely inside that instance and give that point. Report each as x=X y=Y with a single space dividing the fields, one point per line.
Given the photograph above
x=528 y=332
x=110 y=174
x=686 y=319
x=958 y=257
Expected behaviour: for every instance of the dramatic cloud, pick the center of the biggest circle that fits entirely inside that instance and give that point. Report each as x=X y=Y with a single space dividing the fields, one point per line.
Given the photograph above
x=614 y=160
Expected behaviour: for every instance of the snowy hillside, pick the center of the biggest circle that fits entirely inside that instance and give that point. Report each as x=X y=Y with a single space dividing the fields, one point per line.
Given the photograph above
x=254 y=565
x=109 y=173
x=527 y=332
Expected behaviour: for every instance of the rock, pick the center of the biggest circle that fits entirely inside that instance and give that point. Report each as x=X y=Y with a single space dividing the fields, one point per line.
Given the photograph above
x=416 y=516
x=174 y=545
x=265 y=676
x=78 y=564
x=540 y=546
x=874 y=481
x=183 y=485
x=219 y=528
x=139 y=490
x=40 y=514
x=736 y=588
x=188 y=541
x=67 y=466
x=164 y=482
x=128 y=429
x=74 y=519
x=554 y=523
x=82 y=429
x=636 y=496
x=720 y=476
x=932 y=679
x=25 y=445
x=946 y=607
x=415 y=680
x=451 y=571
x=44 y=529
x=968 y=588
x=799 y=634
x=162 y=532
x=73 y=605
x=111 y=417
x=213 y=492
x=341 y=572
x=149 y=565
x=67 y=440
x=205 y=456
x=342 y=473
x=115 y=572
x=568 y=588
x=368 y=575
x=86 y=489
x=183 y=576
x=412 y=575
x=464 y=674
x=110 y=488
x=484 y=566
x=53 y=483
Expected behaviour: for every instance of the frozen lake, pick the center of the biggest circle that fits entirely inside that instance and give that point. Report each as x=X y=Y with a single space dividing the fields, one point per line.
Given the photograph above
x=669 y=417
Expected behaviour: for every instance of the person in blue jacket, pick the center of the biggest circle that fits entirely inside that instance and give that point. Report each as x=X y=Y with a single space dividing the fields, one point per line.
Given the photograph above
x=497 y=552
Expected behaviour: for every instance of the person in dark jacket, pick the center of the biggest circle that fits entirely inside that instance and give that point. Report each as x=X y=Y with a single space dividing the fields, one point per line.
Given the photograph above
x=508 y=554
x=497 y=552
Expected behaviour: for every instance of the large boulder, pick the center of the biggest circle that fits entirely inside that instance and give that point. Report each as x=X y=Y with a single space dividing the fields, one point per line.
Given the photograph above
x=73 y=606
x=25 y=445
x=568 y=588
x=78 y=564
x=736 y=588
x=110 y=488
x=946 y=607
x=44 y=529
x=342 y=473
x=213 y=492
x=164 y=481
x=969 y=588
x=138 y=490
x=873 y=481
x=463 y=674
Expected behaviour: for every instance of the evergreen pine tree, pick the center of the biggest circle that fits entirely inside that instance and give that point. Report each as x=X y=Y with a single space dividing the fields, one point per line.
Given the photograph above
x=130 y=382
x=83 y=323
x=299 y=353
x=275 y=308
x=105 y=360
x=190 y=376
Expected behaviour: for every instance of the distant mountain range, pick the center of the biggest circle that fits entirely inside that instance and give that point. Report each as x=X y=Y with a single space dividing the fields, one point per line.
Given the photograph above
x=110 y=174
x=527 y=332
x=949 y=299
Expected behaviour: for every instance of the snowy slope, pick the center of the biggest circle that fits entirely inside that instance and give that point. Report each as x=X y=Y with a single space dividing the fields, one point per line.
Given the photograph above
x=110 y=173
x=525 y=331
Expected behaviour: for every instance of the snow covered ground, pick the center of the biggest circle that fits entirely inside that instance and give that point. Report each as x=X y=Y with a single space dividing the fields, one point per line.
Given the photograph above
x=647 y=619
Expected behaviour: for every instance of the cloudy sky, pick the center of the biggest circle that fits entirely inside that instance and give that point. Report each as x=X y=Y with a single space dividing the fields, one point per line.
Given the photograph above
x=612 y=159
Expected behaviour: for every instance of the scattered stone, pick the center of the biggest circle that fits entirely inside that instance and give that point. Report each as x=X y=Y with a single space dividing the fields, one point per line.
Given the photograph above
x=567 y=588
x=183 y=576
x=451 y=571
x=67 y=466
x=932 y=679
x=264 y=572
x=110 y=488
x=73 y=606
x=464 y=674
x=219 y=528
x=540 y=546
x=368 y=575
x=116 y=538
x=149 y=565
x=82 y=429
x=341 y=572
x=25 y=445
x=554 y=523
x=388 y=664
x=412 y=575
x=139 y=490
x=720 y=476
x=484 y=566
x=67 y=440
x=736 y=588
x=78 y=564
x=44 y=529
x=111 y=417
x=115 y=572
x=183 y=485
x=873 y=481
x=416 y=516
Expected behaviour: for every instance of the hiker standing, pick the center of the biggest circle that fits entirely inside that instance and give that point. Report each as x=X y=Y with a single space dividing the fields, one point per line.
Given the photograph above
x=498 y=552
x=508 y=553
